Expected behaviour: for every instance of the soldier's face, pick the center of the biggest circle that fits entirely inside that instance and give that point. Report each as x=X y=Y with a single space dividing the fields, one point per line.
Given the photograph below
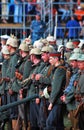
x=9 y=48
x=74 y=63
x=23 y=54
x=6 y=56
x=45 y=57
x=32 y=57
x=81 y=65
x=52 y=60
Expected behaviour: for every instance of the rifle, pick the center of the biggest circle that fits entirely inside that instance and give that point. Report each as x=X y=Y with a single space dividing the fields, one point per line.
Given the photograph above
x=26 y=81
x=4 y=113
x=79 y=108
x=10 y=105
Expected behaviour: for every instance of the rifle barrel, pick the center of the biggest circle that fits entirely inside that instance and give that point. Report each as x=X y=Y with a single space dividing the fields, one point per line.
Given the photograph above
x=10 y=105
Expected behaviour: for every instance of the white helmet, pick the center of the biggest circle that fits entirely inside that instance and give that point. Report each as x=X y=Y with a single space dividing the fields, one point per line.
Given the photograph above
x=12 y=41
x=45 y=93
x=24 y=47
x=35 y=51
x=50 y=38
x=38 y=44
x=5 y=50
x=69 y=45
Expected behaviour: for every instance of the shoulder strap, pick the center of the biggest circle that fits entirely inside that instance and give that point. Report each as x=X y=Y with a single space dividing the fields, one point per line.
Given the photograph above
x=50 y=70
x=63 y=67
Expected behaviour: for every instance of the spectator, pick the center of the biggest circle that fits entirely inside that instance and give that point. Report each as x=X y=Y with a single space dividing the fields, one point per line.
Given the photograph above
x=4 y=11
x=37 y=28
x=30 y=10
x=79 y=12
x=18 y=11
x=73 y=28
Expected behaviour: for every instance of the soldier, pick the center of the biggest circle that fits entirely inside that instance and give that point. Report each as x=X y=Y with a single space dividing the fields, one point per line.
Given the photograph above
x=52 y=41
x=68 y=96
x=80 y=92
x=44 y=81
x=69 y=48
x=55 y=117
x=3 y=82
x=12 y=45
x=23 y=69
x=35 y=56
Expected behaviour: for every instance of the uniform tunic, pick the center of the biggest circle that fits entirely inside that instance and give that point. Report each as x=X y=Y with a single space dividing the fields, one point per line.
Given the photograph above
x=55 y=117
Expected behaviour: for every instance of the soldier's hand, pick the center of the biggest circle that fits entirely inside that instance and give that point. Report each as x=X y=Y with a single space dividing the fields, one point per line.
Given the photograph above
x=50 y=106
x=41 y=93
x=38 y=76
x=63 y=98
x=33 y=76
x=37 y=100
x=7 y=79
x=10 y=91
x=18 y=75
x=21 y=91
x=21 y=96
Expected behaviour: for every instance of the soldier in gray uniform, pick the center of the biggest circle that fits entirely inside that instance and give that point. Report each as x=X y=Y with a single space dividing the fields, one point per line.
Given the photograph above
x=55 y=117
x=68 y=96
x=12 y=45
x=80 y=92
x=23 y=69
x=35 y=56
x=3 y=82
x=44 y=81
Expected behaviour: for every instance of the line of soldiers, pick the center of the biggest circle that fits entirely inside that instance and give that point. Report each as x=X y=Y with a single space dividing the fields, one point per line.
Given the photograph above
x=52 y=72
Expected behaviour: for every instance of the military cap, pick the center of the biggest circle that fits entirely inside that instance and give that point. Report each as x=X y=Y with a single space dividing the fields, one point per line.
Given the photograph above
x=47 y=49
x=74 y=56
x=69 y=45
x=57 y=54
x=5 y=50
x=5 y=37
x=12 y=41
x=76 y=50
x=38 y=44
x=44 y=41
x=81 y=57
x=76 y=41
x=45 y=93
x=35 y=51
x=50 y=38
x=24 y=47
